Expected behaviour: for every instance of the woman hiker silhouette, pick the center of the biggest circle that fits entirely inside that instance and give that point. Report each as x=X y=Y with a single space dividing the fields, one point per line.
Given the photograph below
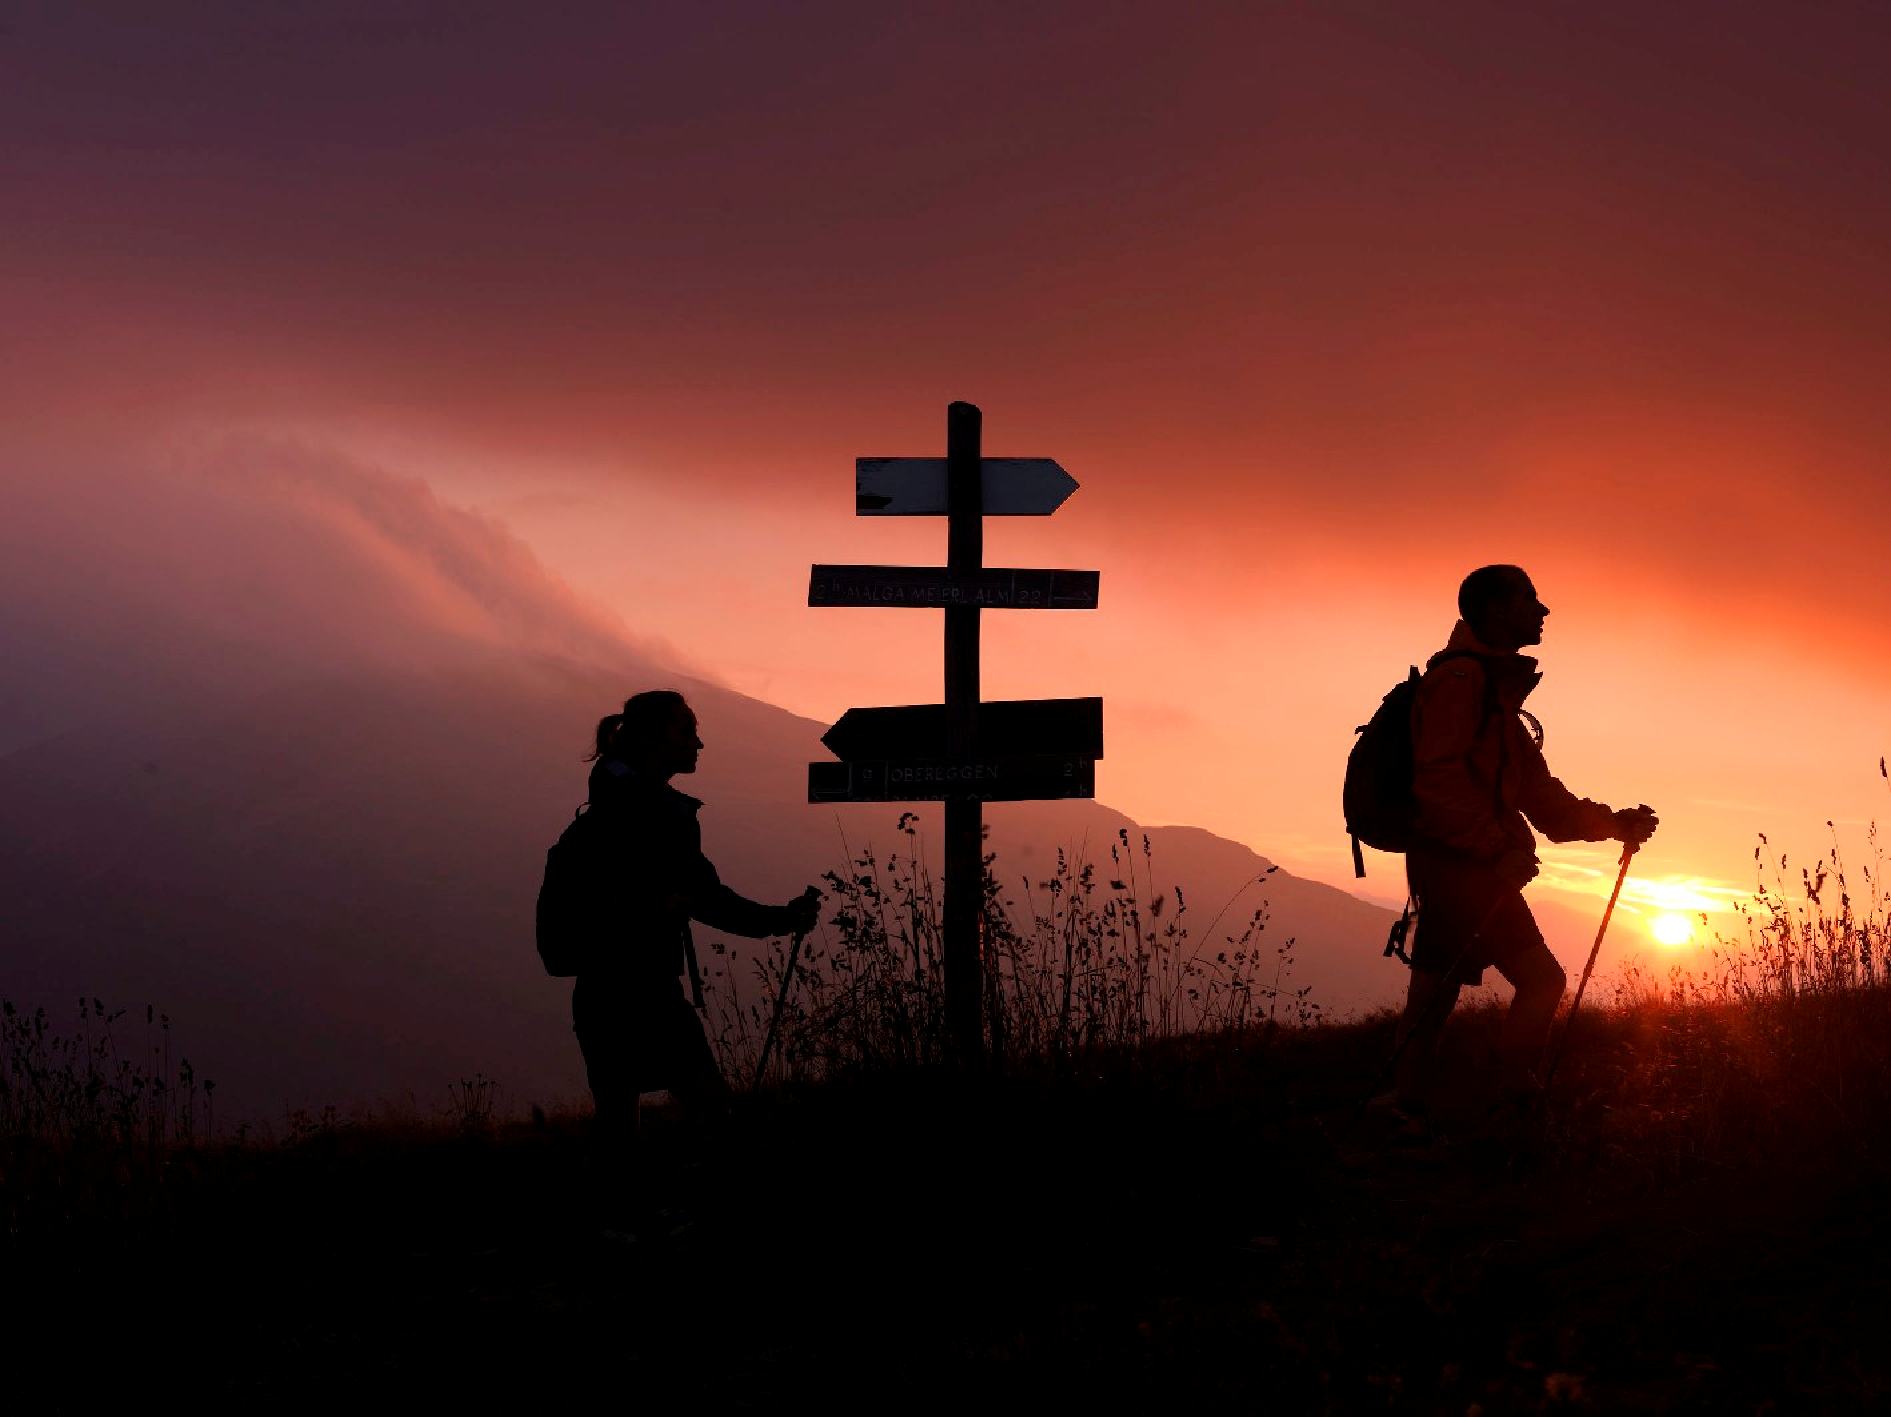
x=637 y=1030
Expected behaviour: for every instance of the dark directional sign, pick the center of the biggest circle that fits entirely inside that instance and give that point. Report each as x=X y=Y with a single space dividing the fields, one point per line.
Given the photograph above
x=979 y=778
x=916 y=487
x=931 y=587
x=962 y=752
x=1006 y=728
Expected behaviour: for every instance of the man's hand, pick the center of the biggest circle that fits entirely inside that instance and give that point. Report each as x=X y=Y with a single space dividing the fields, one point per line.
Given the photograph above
x=1635 y=825
x=1516 y=868
x=803 y=911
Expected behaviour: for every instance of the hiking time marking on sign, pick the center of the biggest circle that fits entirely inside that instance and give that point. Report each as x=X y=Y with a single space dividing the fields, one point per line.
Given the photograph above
x=932 y=587
x=1033 y=778
x=916 y=487
x=1006 y=728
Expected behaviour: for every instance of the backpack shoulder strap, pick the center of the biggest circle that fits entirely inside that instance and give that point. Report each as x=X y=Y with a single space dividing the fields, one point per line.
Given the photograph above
x=1490 y=680
x=1488 y=716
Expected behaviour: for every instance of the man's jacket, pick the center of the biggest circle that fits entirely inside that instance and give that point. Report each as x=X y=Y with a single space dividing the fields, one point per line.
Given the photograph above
x=661 y=879
x=1478 y=772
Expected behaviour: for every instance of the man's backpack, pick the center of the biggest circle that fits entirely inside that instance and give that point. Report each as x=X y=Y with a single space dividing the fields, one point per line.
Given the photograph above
x=574 y=915
x=1381 y=807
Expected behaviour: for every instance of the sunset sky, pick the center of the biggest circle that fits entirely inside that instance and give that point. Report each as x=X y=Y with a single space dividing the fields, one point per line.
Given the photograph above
x=1321 y=304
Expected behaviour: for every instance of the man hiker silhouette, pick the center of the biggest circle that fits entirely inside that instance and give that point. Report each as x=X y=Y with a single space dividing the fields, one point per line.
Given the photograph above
x=1481 y=782
x=637 y=1031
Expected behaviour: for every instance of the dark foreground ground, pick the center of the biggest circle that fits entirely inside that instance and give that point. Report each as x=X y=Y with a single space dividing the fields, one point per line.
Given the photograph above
x=1183 y=1233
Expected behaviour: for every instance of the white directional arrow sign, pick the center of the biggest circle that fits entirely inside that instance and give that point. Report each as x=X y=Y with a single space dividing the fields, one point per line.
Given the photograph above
x=916 y=487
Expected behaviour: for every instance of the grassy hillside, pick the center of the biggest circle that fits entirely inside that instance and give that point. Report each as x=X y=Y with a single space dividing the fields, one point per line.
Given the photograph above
x=1693 y=1226
x=1127 y=1206
x=331 y=887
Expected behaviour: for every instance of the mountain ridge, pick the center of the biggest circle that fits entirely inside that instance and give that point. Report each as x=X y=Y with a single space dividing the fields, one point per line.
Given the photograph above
x=329 y=884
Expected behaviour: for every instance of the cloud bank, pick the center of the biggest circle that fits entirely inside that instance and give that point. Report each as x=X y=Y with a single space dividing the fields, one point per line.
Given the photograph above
x=129 y=579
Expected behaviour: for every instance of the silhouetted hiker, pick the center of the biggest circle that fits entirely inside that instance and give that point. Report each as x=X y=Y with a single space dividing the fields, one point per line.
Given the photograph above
x=1479 y=773
x=637 y=1030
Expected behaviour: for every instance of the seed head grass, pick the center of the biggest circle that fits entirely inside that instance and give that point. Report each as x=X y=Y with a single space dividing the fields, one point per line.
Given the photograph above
x=1093 y=960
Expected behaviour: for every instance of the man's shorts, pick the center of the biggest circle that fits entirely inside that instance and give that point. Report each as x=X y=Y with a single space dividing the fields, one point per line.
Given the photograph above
x=1467 y=917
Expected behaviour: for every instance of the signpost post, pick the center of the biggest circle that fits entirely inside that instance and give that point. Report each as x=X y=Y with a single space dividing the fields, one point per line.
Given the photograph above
x=964 y=862
x=963 y=752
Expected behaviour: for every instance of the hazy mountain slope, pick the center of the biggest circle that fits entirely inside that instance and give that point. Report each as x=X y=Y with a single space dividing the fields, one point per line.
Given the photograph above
x=332 y=884
x=330 y=887
x=318 y=730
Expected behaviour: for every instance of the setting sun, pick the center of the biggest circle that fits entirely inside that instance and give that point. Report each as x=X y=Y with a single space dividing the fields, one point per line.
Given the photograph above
x=1671 y=929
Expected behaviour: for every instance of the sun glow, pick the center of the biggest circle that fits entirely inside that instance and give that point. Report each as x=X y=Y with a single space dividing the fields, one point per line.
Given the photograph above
x=1672 y=896
x=1671 y=929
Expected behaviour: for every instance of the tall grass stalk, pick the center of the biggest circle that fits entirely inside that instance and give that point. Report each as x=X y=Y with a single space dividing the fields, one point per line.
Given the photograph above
x=89 y=1132
x=1081 y=963
x=70 y=1090
x=1779 y=1039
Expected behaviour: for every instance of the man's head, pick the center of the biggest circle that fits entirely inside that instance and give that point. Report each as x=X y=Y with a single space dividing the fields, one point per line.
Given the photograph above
x=655 y=734
x=1500 y=605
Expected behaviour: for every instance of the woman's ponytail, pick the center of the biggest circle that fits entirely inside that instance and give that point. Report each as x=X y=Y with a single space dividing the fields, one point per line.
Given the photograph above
x=644 y=715
x=607 y=731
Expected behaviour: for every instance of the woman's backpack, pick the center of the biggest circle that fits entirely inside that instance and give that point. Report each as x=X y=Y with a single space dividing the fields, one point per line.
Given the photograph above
x=574 y=921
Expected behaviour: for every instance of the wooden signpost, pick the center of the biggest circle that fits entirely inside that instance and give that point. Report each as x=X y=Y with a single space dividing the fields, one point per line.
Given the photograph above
x=921 y=487
x=962 y=752
x=1006 y=727
x=988 y=777
x=937 y=587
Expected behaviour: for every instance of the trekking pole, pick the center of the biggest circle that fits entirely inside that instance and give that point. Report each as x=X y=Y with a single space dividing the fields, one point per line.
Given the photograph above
x=1556 y=1054
x=1424 y=1017
x=781 y=1001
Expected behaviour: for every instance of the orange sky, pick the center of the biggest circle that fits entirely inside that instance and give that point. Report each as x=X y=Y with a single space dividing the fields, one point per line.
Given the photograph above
x=1322 y=305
